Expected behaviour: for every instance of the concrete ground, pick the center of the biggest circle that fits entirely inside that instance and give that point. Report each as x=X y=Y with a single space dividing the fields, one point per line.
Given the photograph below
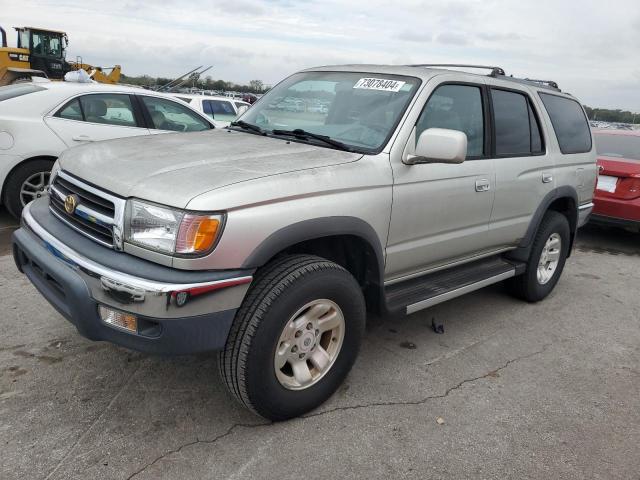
x=549 y=391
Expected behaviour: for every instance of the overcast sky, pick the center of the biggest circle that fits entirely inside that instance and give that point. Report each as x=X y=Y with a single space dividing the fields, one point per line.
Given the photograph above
x=591 y=48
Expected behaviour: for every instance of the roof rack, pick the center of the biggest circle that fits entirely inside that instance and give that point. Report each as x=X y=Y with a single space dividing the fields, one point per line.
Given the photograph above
x=549 y=83
x=495 y=71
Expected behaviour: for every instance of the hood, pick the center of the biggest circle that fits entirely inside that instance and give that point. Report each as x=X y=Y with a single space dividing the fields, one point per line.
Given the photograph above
x=171 y=169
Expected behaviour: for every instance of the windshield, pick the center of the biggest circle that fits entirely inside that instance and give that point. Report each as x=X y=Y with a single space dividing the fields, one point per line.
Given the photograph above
x=358 y=109
x=621 y=146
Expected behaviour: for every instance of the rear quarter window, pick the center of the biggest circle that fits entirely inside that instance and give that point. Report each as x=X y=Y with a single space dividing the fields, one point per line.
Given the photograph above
x=569 y=123
x=12 y=91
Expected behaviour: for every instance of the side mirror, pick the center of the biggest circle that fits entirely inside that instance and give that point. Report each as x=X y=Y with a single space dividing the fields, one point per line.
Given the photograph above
x=439 y=145
x=242 y=109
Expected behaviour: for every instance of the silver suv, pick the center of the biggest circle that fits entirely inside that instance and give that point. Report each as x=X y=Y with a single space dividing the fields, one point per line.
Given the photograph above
x=270 y=241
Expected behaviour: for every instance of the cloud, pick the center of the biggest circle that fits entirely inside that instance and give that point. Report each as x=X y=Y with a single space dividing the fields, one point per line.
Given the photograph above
x=451 y=38
x=587 y=46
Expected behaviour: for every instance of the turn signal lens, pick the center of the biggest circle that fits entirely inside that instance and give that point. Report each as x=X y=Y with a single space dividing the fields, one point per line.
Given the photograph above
x=117 y=319
x=198 y=233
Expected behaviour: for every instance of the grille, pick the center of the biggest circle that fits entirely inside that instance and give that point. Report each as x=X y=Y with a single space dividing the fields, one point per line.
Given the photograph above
x=94 y=215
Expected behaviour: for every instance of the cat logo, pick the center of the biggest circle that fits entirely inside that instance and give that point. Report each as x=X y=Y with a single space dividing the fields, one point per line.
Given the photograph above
x=70 y=204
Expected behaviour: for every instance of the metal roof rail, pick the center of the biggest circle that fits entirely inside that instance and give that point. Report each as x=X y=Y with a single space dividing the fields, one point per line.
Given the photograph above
x=495 y=71
x=549 y=83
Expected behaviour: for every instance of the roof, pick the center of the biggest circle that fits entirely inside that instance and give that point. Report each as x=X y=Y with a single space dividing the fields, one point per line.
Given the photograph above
x=427 y=72
x=41 y=29
x=88 y=87
x=623 y=133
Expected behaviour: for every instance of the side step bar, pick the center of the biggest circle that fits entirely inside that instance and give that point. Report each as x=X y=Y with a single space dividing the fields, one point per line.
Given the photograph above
x=428 y=290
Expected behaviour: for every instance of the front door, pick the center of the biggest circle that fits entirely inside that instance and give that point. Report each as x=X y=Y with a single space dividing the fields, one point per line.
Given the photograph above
x=95 y=117
x=440 y=212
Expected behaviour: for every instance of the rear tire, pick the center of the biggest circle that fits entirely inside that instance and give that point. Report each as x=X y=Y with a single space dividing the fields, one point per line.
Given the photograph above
x=286 y=293
x=546 y=261
x=27 y=182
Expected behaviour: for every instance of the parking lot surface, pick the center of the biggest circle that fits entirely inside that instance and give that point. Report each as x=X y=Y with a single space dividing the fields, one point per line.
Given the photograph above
x=548 y=390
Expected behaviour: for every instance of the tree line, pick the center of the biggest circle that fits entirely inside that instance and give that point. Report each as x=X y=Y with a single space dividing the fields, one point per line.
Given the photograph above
x=607 y=115
x=206 y=83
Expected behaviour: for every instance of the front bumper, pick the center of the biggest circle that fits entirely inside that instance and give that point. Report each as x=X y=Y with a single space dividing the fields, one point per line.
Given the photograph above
x=175 y=316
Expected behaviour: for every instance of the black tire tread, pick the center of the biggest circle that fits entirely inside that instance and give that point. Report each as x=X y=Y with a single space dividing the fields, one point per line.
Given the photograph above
x=11 y=193
x=518 y=286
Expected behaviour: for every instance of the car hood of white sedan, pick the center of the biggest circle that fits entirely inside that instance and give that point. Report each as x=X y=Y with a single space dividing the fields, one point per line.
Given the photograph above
x=171 y=169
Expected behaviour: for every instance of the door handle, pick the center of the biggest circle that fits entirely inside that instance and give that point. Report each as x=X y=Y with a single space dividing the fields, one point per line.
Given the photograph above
x=547 y=177
x=483 y=185
x=82 y=138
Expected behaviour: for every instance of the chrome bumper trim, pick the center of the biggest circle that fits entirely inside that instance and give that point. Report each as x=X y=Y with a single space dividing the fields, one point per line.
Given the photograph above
x=139 y=295
x=583 y=213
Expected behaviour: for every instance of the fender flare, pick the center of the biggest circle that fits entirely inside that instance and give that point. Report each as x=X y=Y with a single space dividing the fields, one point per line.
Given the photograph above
x=313 y=229
x=522 y=252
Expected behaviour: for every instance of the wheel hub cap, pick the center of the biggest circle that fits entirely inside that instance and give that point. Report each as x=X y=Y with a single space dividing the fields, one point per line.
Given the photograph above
x=34 y=187
x=309 y=344
x=549 y=258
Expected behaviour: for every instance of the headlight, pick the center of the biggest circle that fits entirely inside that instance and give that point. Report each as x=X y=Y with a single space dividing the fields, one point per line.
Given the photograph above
x=169 y=230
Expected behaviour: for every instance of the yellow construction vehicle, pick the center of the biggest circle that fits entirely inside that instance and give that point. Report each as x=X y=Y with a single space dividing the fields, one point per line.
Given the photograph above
x=42 y=53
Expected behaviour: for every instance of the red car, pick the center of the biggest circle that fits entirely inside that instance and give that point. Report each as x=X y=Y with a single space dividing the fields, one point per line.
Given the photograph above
x=617 y=196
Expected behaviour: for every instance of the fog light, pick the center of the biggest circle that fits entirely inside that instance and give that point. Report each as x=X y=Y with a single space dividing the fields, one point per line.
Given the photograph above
x=125 y=321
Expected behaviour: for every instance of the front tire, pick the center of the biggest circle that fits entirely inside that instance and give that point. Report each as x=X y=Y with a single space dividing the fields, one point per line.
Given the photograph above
x=546 y=261
x=295 y=337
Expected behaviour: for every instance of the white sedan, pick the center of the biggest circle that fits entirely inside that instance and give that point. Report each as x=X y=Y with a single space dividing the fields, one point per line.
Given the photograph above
x=222 y=110
x=41 y=119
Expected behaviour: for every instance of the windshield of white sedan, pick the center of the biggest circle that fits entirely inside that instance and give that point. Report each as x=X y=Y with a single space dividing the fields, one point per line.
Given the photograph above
x=621 y=146
x=356 y=109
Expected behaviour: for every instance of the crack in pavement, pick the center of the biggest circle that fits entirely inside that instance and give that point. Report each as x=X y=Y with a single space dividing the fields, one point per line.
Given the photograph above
x=197 y=441
x=430 y=397
x=233 y=427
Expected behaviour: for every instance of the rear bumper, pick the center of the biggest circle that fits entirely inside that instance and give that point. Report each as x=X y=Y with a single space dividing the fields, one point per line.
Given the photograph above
x=173 y=317
x=616 y=211
x=614 y=222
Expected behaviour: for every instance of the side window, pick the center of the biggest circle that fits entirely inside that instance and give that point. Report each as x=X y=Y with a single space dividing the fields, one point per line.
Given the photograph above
x=71 y=111
x=536 y=136
x=169 y=115
x=219 y=110
x=456 y=107
x=569 y=122
x=516 y=127
x=108 y=109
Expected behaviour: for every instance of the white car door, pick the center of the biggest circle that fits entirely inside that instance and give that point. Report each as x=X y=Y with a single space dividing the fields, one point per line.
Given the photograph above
x=96 y=116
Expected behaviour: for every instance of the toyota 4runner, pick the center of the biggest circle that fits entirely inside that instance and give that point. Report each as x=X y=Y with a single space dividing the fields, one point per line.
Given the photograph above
x=270 y=241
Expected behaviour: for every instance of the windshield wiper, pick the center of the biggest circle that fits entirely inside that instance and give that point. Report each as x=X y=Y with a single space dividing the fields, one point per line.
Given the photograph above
x=304 y=135
x=247 y=126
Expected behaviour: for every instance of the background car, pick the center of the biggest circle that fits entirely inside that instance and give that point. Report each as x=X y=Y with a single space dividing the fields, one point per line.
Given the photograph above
x=222 y=110
x=617 y=197
x=60 y=115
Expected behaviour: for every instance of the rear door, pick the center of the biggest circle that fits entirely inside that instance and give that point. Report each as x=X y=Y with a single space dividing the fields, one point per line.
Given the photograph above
x=96 y=116
x=524 y=163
